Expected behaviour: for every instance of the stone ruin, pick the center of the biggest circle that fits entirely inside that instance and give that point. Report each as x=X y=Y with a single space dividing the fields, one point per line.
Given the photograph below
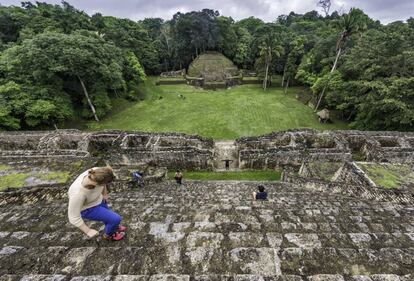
x=174 y=74
x=213 y=70
x=325 y=221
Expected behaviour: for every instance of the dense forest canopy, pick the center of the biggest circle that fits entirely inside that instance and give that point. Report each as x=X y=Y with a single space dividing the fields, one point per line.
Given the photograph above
x=56 y=60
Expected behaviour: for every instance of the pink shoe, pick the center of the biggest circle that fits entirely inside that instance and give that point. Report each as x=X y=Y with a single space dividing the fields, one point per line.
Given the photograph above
x=122 y=228
x=117 y=236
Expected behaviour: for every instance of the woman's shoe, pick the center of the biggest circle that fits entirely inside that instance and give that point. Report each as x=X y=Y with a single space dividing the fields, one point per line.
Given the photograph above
x=121 y=228
x=117 y=236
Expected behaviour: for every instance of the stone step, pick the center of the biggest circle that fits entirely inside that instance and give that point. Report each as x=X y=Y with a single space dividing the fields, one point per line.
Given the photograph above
x=219 y=220
x=204 y=260
x=206 y=228
x=215 y=277
x=236 y=238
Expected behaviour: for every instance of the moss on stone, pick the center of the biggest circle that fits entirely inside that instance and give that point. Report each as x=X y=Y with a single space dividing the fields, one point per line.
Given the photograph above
x=20 y=179
x=388 y=175
x=59 y=177
x=4 y=167
x=13 y=180
x=77 y=165
x=324 y=170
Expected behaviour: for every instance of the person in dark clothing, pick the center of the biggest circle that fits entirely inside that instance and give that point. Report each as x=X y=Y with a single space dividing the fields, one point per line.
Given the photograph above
x=137 y=179
x=178 y=177
x=261 y=195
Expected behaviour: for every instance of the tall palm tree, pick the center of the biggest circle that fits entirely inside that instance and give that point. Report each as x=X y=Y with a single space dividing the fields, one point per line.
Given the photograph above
x=349 y=24
x=297 y=50
x=270 y=48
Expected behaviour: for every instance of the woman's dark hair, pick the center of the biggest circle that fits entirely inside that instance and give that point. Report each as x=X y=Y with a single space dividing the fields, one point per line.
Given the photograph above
x=261 y=188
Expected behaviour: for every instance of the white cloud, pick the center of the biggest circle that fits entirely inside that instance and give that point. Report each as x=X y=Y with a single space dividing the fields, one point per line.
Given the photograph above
x=268 y=10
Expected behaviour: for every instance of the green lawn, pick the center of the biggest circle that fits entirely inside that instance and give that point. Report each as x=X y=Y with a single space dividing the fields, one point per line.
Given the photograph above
x=223 y=114
x=245 y=175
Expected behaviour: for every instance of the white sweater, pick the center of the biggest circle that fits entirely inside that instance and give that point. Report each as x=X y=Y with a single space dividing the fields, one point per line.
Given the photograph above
x=81 y=198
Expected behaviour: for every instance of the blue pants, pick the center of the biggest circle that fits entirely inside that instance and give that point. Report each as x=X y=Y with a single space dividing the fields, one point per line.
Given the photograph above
x=104 y=214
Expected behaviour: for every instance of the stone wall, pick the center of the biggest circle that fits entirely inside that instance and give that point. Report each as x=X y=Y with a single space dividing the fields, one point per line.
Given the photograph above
x=151 y=152
x=393 y=147
x=355 y=190
x=351 y=174
x=291 y=148
x=52 y=192
x=180 y=151
x=294 y=147
x=171 y=150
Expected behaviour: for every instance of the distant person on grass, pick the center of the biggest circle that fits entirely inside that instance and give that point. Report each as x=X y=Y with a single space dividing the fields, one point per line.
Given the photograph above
x=88 y=199
x=261 y=195
x=178 y=177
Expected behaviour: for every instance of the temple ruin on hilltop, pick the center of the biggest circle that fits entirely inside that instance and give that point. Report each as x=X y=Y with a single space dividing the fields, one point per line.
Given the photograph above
x=213 y=70
x=210 y=70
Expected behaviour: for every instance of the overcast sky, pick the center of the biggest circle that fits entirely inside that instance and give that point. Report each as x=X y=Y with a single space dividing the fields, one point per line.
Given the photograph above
x=384 y=10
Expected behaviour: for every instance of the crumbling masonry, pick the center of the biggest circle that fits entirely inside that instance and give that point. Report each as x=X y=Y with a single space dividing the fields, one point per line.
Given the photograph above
x=311 y=229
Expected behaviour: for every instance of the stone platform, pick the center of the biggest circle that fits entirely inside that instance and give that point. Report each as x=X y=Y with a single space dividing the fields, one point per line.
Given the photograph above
x=214 y=231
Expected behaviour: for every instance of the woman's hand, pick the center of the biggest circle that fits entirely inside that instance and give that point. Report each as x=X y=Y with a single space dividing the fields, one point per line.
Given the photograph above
x=106 y=198
x=92 y=233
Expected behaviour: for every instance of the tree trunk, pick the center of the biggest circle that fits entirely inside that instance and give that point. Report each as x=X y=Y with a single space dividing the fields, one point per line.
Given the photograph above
x=329 y=77
x=287 y=85
x=336 y=60
x=283 y=78
x=266 y=74
x=88 y=99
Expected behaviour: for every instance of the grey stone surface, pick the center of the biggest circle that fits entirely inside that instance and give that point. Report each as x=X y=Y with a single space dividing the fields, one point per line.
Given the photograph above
x=326 y=277
x=264 y=261
x=385 y=277
x=43 y=277
x=199 y=231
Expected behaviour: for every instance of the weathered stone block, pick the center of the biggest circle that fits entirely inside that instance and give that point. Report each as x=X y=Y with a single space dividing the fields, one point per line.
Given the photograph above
x=326 y=277
x=260 y=261
x=42 y=277
x=385 y=277
x=92 y=278
x=245 y=239
x=131 y=278
x=169 y=277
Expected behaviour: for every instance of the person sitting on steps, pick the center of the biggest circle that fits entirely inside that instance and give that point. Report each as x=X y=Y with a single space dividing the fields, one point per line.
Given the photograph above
x=261 y=195
x=178 y=177
x=137 y=179
x=88 y=199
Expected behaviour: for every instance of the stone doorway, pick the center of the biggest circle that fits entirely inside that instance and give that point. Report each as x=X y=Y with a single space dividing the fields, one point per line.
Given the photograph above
x=225 y=151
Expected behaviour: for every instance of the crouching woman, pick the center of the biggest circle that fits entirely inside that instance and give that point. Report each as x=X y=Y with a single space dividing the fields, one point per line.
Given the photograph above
x=88 y=196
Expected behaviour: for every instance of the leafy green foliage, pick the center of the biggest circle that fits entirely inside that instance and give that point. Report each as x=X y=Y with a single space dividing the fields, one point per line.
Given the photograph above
x=44 y=74
x=352 y=63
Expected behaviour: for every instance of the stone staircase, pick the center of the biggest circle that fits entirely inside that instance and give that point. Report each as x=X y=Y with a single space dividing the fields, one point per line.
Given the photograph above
x=214 y=231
